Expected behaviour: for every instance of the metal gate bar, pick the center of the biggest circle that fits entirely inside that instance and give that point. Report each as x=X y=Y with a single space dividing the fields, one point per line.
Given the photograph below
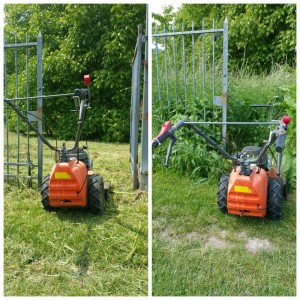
x=135 y=107
x=139 y=174
x=38 y=113
x=208 y=106
x=144 y=150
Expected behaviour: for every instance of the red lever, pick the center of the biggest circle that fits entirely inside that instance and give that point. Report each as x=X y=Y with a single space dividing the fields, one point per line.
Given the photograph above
x=286 y=119
x=166 y=127
x=86 y=79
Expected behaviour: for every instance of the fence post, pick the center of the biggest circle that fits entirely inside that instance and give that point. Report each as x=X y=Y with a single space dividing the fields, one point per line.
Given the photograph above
x=144 y=162
x=225 y=81
x=40 y=106
x=135 y=108
x=6 y=111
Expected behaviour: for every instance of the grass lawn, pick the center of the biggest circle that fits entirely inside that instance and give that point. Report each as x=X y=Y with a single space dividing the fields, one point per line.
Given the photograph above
x=199 y=251
x=72 y=252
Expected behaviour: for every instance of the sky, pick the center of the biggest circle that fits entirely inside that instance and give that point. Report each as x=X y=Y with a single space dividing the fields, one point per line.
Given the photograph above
x=157 y=7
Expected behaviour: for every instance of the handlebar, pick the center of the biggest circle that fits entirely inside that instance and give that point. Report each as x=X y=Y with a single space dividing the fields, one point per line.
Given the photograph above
x=278 y=134
x=167 y=130
x=83 y=94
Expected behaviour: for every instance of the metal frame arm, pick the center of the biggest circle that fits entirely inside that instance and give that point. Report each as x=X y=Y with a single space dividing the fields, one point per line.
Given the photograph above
x=212 y=142
x=25 y=119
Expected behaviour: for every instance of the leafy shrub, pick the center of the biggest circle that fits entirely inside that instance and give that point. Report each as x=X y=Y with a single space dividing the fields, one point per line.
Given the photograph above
x=192 y=156
x=289 y=157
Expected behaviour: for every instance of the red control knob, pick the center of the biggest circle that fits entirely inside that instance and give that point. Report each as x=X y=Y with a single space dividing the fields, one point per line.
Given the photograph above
x=86 y=79
x=286 y=119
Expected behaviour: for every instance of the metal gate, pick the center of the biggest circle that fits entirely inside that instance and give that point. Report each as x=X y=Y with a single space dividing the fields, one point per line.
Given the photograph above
x=18 y=155
x=139 y=173
x=188 y=75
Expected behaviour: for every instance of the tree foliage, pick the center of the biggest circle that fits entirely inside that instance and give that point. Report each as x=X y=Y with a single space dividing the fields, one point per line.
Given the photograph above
x=81 y=39
x=260 y=35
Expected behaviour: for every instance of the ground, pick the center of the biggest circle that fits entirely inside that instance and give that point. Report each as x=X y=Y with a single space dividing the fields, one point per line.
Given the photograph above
x=72 y=252
x=198 y=251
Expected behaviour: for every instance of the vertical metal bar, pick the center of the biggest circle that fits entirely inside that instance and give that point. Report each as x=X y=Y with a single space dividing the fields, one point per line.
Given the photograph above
x=157 y=69
x=6 y=110
x=203 y=73
x=167 y=71
x=133 y=142
x=144 y=154
x=213 y=69
x=28 y=108
x=40 y=106
x=131 y=107
x=175 y=63
x=193 y=53
x=18 y=120
x=225 y=81
x=184 y=64
x=136 y=108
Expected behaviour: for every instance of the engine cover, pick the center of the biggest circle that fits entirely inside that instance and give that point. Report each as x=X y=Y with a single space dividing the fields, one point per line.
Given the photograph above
x=247 y=195
x=68 y=184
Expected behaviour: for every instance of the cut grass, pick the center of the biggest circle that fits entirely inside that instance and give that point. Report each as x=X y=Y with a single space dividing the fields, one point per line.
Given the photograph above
x=197 y=251
x=71 y=252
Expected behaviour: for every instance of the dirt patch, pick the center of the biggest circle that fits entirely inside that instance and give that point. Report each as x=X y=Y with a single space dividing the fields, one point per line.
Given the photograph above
x=168 y=236
x=242 y=234
x=218 y=243
x=218 y=239
x=192 y=235
x=255 y=244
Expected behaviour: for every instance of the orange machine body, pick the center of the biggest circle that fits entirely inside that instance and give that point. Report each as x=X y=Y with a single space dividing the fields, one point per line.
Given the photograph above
x=247 y=195
x=68 y=184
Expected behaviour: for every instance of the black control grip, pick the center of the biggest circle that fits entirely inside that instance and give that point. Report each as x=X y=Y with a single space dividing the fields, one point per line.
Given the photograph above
x=82 y=93
x=158 y=140
x=280 y=142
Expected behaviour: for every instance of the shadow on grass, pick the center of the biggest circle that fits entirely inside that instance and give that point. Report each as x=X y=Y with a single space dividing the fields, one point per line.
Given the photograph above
x=83 y=216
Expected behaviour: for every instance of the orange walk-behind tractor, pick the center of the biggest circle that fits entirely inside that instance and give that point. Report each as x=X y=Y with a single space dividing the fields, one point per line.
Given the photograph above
x=253 y=188
x=72 y=183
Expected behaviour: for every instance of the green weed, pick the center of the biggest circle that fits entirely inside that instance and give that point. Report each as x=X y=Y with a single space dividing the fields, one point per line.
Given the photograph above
x=190 y=153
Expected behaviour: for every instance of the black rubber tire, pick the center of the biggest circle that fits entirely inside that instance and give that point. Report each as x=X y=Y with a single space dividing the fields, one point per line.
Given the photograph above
x=285 y=189
x=222 y=193
x=275 y=199
x=95 y=194
x=45 y=193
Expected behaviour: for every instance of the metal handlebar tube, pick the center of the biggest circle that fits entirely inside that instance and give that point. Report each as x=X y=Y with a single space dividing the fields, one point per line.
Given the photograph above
x=279 y=159
x=84 y=95
x=25 y=119
x=272 y=138
x=82 y=114
x=213 y=143
x=173 y=139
